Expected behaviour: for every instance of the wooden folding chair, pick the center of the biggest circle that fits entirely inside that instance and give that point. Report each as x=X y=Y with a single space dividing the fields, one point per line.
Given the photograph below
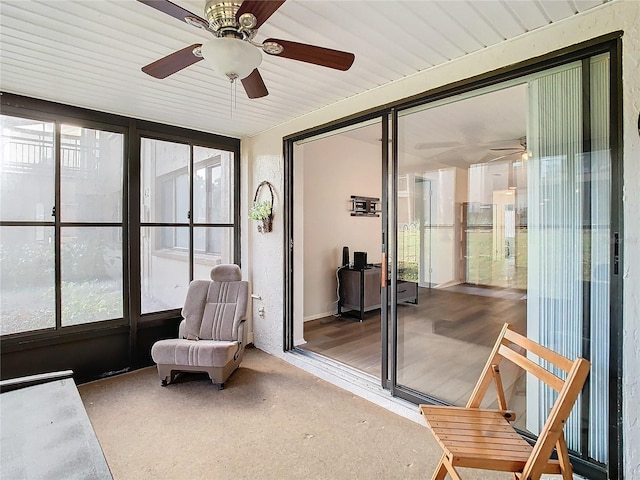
x=479 y=438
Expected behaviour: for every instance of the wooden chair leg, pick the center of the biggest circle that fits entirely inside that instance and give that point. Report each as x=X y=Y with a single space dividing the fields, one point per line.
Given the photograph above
x=451 y=470
x=441 y=471
x=563 y=458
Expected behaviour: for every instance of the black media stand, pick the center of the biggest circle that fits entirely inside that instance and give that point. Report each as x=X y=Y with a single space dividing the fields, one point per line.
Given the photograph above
x=359 y=291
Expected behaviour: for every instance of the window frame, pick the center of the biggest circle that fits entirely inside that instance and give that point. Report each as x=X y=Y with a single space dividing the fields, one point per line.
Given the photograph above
x=132 y=129
x=168 y=135
x=58 y=224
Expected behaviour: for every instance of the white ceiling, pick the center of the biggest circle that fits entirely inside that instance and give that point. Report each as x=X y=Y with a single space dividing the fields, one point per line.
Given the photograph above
x=89 y=53
x=459 y=133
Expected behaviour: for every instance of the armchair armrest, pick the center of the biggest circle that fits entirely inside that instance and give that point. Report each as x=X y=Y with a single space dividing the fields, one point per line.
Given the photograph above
x=242 y=334
x=182 y=329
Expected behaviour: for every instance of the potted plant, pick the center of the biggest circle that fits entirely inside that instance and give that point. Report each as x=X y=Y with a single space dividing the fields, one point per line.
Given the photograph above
x=262 y=210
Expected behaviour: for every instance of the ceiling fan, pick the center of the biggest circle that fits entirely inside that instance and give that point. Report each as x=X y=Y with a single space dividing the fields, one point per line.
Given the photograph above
x=521 y=150
x=232 y=52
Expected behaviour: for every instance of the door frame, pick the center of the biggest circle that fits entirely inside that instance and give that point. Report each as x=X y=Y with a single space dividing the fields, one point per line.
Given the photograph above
x=289 y=218
x=611 y=44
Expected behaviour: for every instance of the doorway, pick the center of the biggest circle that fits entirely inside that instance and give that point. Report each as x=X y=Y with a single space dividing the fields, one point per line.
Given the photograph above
x=499 y=204
x=337 y=213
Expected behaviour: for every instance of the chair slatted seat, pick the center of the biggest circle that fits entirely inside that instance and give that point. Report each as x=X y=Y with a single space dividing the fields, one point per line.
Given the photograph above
x=473 y=437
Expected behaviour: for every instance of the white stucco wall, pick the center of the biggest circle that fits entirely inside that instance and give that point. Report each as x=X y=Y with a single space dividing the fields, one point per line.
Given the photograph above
x=262 y=158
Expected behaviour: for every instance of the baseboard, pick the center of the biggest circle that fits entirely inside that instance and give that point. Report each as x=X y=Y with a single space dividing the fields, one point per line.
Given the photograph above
x=319 y=315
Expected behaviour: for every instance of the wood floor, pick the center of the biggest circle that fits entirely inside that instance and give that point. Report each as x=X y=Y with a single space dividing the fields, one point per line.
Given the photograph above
x=443 y=342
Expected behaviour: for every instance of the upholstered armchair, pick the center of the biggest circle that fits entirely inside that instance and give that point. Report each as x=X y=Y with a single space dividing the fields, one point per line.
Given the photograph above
x=211 y=337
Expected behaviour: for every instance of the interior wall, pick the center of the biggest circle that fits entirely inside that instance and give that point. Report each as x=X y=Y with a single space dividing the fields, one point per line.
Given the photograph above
x=334 y=169
x=262 y=154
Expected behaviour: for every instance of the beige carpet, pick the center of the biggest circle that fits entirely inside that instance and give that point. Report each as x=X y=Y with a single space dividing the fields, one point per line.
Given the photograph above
x=273 y=421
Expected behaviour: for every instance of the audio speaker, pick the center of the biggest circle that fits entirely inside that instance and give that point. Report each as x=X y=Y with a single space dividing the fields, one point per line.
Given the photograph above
x=345 y=256
x=359 y=260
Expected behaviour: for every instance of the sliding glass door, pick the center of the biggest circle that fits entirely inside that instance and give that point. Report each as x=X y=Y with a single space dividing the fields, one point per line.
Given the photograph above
x=511 y=185
x=340 y=299
x=499 y=203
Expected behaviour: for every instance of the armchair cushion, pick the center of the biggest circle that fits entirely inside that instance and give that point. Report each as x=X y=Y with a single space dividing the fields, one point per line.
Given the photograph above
x=202 y=353
x=226 y=304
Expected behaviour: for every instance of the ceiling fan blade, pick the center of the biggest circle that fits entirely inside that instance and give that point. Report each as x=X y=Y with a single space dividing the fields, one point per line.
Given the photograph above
x=261 y=9
x=501 y=157
x=325 y=57
x=254 y=85
x=165 y=6
x=429 y=145
x=172 y=63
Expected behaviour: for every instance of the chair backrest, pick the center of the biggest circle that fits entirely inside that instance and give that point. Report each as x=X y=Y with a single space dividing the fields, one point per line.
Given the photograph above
x=514 y=347
x=214 y=309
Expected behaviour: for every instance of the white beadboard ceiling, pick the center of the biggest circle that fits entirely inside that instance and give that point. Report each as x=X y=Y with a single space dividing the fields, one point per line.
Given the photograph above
x=89 y=53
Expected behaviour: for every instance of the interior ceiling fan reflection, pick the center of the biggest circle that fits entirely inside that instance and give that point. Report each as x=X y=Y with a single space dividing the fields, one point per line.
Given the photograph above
x=521 y=150
x=436 y=145
x=232 y=52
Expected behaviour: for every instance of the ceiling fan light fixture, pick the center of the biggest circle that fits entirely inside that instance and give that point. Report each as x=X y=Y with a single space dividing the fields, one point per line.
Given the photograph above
x=231 y=57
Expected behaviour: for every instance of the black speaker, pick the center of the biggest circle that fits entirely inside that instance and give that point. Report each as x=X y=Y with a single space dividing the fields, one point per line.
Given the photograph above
x=359 y=260
x=345 y=256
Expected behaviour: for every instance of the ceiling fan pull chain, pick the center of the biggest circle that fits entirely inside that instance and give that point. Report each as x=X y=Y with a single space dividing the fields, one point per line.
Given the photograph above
x=233 y=92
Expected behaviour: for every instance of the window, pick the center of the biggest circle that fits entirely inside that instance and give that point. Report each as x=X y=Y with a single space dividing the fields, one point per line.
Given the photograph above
x=187 y=216
x=72 y=221
x=74 y=236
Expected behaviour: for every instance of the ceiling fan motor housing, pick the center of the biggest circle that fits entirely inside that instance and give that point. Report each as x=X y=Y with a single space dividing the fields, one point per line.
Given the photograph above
x=222 y=20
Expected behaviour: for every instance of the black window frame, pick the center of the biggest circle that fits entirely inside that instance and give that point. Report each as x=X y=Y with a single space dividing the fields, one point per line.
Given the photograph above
x=133 y=130
x=179 y=137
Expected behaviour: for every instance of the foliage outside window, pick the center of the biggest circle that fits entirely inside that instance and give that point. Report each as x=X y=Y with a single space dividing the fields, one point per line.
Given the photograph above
x=85 y=225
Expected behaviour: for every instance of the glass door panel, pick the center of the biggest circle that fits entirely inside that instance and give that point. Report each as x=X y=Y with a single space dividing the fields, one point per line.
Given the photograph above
x=518 y=222
x=460 y=202
x=339 y=301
